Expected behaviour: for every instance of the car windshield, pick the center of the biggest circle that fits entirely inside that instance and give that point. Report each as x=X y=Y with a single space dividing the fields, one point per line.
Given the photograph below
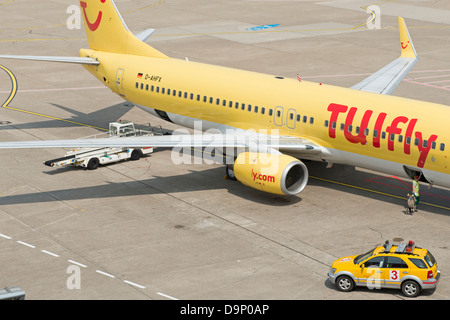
x=430 y=259
x=363 y=257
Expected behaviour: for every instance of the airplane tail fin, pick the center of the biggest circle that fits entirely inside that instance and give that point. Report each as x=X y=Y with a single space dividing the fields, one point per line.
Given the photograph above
x=106 y=30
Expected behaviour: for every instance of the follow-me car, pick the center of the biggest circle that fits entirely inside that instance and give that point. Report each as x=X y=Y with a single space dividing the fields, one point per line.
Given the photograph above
x=399 y=266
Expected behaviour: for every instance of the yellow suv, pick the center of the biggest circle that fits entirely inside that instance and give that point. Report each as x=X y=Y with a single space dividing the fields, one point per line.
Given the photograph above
x=400 y=266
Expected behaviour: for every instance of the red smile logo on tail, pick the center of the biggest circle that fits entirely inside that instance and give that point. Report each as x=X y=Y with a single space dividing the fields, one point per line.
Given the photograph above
x=92 y=26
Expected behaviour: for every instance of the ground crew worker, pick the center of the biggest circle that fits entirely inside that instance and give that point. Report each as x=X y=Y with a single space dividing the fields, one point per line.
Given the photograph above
x=416 y=187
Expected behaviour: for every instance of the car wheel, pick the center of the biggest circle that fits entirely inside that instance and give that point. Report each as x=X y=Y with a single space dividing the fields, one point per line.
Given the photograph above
x=410 y=288
x=93 y=164
x=345 y=283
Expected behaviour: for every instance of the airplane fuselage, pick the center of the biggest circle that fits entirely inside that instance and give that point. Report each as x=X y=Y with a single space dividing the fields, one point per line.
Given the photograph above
x=384 y=133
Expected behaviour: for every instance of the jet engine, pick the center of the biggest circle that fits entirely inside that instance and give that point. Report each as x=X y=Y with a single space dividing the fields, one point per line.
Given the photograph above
x=273 y=173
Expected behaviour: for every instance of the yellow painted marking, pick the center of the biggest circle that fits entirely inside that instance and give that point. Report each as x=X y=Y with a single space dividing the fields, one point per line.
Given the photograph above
x=1 y=4
x=378 y=192
x=14 y=88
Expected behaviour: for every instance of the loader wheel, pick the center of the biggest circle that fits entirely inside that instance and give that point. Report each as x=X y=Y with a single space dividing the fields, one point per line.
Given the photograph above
x=136 y=155
x=93 y=164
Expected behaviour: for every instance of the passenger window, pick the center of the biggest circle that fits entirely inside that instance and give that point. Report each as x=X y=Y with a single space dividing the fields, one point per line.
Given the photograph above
x=198 y=97
x=242 y=106
x=263 y=110
x=375 y=133
x=419 y=263
x=249 y=108
x=256 y=108
x=395 y=262
x=168 y=91
x=442 y=147
x=416 y=142
x=305 y=119
x=366 y=132
x=142 y=86
x=270 y=112
x=326 y=123
x=298 y=118
x=291 y=116
x=205 y=98
x=137 y=85
x=224 y=103
x=376 y=262
x=218 y=101
x=400 y=138
x=146 y=87
x=433 y=145
x=342 y=127
x=163 y=90
x=278 y=113
x=311 y=120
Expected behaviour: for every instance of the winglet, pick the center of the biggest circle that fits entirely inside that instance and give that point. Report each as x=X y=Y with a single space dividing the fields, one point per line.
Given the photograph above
x=406 y=44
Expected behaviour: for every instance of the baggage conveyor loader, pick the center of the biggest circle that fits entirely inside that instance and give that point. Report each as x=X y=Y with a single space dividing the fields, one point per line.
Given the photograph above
x=91 y=158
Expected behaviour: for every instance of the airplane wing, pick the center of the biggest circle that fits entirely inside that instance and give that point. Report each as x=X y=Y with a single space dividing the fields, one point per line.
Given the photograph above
x=386 y=80
x=76 y=60
x=263 y=143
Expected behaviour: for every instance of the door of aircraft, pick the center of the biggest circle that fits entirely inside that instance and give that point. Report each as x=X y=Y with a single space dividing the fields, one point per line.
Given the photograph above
x=290 y=118
x=278 y=116
x=119 y=82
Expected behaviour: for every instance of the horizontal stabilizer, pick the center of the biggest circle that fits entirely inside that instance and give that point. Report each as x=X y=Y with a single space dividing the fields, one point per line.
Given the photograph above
x=76 y=60
x=144 y=35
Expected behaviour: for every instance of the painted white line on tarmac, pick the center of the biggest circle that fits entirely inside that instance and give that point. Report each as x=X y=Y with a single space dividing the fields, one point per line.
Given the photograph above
x=77 y=263
x=105 y=274
x=26 y=244
x=167 y=296
x=50 y=253
x=134 y=284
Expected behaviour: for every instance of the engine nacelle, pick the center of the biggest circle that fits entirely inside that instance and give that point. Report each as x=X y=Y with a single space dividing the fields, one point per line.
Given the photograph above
x=273 y=173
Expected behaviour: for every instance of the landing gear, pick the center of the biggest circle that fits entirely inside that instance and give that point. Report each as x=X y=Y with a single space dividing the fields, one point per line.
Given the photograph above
x=230 y=172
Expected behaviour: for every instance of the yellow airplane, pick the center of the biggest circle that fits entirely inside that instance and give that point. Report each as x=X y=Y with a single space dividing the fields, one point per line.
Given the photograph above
x=265 y=123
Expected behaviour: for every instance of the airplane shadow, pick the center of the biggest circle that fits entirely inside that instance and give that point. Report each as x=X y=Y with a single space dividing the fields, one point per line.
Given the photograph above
x=339 y=177
x=99 y=118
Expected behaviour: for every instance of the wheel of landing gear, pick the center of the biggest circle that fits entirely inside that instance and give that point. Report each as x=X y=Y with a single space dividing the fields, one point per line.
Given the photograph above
x=230 y=173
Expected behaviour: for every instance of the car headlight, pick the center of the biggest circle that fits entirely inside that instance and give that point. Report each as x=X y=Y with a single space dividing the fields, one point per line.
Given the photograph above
x=333 y=270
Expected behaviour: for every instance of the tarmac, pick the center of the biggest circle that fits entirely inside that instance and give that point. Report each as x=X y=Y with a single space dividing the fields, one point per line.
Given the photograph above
x=153 y=230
